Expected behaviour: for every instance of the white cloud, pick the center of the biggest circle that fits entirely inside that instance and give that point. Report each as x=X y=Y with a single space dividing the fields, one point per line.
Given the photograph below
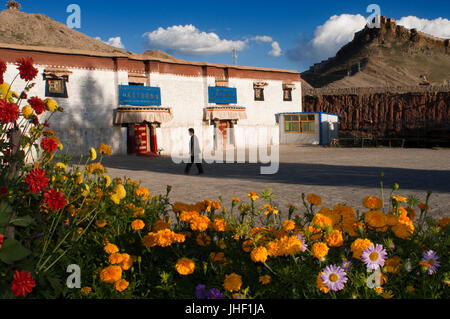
x=438 y=27
x=188 y=40
x=114 y=41
x=328 y=38
x=276 y=50
x=262 y=38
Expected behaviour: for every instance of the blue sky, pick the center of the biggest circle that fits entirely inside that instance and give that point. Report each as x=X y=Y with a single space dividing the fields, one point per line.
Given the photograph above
x=207 y=29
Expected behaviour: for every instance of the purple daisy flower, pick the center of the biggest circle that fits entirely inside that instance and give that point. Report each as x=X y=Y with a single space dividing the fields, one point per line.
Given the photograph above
x=346 y=265
x=432 y=259
x=214 y=293
x=334 y=277
x=302 y=239
x=200 y=291
x=239 y=296
x=374 y=256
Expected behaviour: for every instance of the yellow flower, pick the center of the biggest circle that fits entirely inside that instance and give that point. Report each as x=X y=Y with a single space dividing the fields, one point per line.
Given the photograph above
x=51 y=104
x=92 y=154
x=187 y=216
x=111 y=274
x=95 y=169
x=118 y=194
x=253 y=195
x=111 y=249
x=232 y=282
x=334 y=239
x=259 y=254
x=314 y=199
x=371 y=202
x=137 y=224
x=375 y=219
x=410 y=289
x=388 y=295
x=107 y=180
x=288 y=225
x=235 y=200
x=104 y=149
x=185 y=266
x=60 y=165
x=4 y=88
x=265 y=280
x=320 y=250
x=86 y=190
x=27 y=111
x=400 y=199
x=121 y=285
x=86 y=290
x=358 y=246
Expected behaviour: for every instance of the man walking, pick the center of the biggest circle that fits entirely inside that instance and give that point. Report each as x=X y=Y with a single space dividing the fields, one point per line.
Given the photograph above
x=195 y=154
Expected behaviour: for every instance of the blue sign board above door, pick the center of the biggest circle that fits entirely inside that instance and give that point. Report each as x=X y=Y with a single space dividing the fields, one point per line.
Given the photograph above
x=222 y=95
x=139 y=95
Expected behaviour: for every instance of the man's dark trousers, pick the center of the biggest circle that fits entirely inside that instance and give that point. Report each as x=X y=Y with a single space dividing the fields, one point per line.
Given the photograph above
x=189 y=166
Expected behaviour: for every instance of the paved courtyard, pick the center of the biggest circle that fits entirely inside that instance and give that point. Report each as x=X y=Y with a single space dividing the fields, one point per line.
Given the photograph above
x=338 y=175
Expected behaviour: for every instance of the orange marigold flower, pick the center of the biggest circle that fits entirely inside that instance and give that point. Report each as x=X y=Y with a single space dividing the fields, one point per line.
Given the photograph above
x=371 y=202
x=86 y=290
x=232 y=282
x=358 y=246
x=220 y=225
x=115 y=258
x=217 y=257
x=314 y=199
x=253 y=195
x=111 y=274
x=137 y=224
x=203 y=240
x=200 y=223
x=121 y=285
x=334 y=239
x=185 y=266
x=142 y=193
x=322 y=221
x=444 y=222
x=320 y=250
x=423 y=206
x=186 y=217
x=288 y=225
x=247 y=245
x=160 y=225
x=259 y=254
x=393 y=264
x=111 y=249
x=265 y=280
x=320 y=285
x=126 y=262
x=375 y=219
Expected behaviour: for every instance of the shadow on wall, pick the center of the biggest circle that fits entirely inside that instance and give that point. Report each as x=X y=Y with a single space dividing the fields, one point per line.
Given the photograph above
x=297 y=173
x=89 y=122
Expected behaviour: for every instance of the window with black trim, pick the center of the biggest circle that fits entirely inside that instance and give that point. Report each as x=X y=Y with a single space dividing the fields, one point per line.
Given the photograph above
x=259 y=94
x=56 y=86
x=287 y=94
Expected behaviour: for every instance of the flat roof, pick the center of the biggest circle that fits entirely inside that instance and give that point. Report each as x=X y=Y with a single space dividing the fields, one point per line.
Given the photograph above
x=133 y=56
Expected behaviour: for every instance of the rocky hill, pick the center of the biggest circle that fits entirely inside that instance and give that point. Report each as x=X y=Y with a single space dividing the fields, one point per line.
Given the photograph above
x=389 y=56
x=18 y=27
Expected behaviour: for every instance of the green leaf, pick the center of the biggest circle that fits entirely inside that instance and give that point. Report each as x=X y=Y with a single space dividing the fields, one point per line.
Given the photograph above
x=5 y=213
x=22 y=221
x=12 y=251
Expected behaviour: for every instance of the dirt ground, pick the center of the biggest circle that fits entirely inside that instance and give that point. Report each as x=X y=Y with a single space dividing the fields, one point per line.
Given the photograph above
x=338 y=175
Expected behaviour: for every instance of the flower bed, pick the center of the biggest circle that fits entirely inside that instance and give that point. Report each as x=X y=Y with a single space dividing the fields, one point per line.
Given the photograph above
x=128 y=243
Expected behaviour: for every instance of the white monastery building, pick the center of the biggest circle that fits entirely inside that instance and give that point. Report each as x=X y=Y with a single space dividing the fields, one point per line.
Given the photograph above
x=143 y=105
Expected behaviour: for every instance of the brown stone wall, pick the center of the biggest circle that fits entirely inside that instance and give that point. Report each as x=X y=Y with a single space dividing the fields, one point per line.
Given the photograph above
x=424 y=114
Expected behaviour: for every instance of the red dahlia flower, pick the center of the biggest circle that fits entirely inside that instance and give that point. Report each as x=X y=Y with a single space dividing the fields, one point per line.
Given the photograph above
x=2 y=71
x=37 y=104
x=55 y=200
x=49 y=145
x=1 y=240
x=22 y=284
x=9 y=112
x=27 y=71
x=3 y=191
x=37 y=181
